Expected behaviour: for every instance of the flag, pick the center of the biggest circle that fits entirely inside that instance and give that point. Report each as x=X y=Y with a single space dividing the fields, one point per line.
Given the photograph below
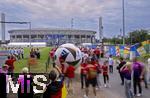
x=117 y=51
x=126 y=50
x=64 y=91
x=146 y=45
x=121 y=51
x=141 y=50
x=133 y=48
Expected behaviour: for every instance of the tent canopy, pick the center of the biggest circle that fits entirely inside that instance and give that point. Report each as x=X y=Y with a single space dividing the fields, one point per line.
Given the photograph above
x=26 y=44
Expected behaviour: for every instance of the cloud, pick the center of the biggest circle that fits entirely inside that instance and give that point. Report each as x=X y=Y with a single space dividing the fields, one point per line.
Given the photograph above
x=65 y=8
x=58 y=13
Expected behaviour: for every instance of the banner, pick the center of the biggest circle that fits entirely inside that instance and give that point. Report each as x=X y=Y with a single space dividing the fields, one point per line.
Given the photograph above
x=55 y=36
x=112 y=50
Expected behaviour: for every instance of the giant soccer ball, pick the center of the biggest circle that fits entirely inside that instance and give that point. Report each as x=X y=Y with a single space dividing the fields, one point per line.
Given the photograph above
x=70 y=54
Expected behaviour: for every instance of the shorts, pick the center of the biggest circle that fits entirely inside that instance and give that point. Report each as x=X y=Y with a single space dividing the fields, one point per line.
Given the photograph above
x=93 y=82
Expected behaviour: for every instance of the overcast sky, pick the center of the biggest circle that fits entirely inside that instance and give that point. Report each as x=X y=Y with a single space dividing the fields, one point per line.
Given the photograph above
x=58 y=13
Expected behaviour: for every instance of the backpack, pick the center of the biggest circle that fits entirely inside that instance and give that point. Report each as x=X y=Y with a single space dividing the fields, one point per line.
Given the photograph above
x=138 y=70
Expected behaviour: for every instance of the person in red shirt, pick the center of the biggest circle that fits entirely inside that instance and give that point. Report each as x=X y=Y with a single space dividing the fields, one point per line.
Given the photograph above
x=70 y=74
x=97 y=53
x=10 y=62
x=51 y=53
x=105 y=73
x=83 y=73
x=91 y=74
x=99 y=70
x=51 y=56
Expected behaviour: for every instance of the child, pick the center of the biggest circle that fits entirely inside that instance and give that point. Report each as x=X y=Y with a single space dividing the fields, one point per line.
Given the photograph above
x=105 y=74
x=25 y=88
x=126 y=71
x=4 y=69
x=54 y=89
x=3 y=80
x=111 y=63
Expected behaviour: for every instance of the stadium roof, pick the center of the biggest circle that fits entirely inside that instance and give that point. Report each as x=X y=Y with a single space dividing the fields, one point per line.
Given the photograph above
x=52 y=29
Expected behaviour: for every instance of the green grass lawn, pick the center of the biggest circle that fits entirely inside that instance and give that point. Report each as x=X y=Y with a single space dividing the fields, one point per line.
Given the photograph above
x=40 y=67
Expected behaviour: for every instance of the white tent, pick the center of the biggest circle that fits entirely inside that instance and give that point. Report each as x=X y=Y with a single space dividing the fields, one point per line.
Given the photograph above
x=27 y=44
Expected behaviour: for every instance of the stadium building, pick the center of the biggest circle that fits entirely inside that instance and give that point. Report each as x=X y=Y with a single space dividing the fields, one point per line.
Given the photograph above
x=53 y=36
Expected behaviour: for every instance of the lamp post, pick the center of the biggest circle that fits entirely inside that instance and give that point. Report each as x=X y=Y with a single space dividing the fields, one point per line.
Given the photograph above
x=123 y=22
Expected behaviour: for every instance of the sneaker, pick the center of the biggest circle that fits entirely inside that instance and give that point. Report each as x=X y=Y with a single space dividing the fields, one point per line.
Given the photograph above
x=146 y=87
x=85 y=96
x=105 y=85
x=97 y=88
x=138 y=95
x=122 y=84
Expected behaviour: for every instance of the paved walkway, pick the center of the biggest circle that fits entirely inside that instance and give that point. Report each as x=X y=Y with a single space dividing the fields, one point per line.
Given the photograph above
x=115 y=91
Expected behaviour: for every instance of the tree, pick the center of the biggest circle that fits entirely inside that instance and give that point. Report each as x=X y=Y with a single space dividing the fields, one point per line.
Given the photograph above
x=138 y=36
x=133 y=37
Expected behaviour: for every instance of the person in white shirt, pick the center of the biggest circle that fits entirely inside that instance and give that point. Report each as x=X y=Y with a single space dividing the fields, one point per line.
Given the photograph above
x=22 y=53
x=111 y=63
x=16 y=52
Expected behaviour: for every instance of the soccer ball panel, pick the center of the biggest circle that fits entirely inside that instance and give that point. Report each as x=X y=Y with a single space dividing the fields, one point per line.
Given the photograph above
x=70 y=54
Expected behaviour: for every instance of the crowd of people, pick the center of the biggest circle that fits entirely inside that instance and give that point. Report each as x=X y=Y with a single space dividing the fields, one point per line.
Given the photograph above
x=35 y=53
x=18 y=52
x=93 y=68
x=131 y=72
